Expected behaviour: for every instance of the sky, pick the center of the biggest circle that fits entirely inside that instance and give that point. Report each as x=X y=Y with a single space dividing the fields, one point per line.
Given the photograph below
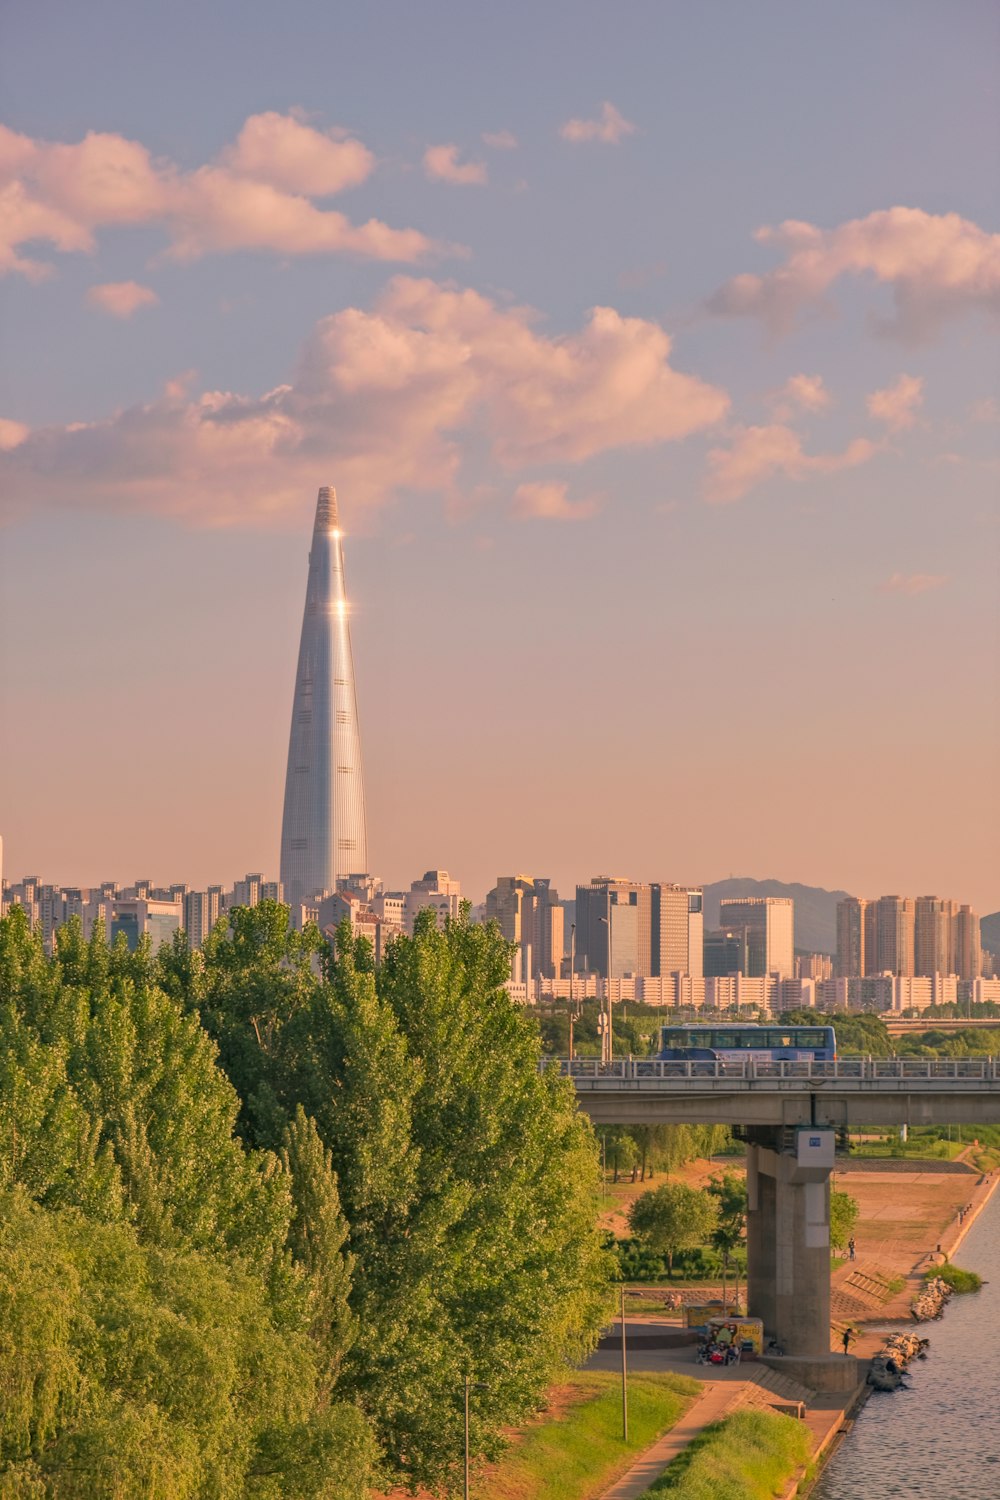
x=651 y=348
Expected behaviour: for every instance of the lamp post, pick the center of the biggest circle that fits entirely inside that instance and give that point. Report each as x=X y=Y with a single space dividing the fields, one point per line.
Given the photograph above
x=608 y=1047
x=625 y=1372
x=572 y=968
x=470 y=1385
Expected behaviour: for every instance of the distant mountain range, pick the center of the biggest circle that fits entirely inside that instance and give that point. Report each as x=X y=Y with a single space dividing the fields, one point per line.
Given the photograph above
x=815 y=908
x=815 y=911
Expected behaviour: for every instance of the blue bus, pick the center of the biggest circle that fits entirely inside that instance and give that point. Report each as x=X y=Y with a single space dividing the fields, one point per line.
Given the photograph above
x=734 y=1041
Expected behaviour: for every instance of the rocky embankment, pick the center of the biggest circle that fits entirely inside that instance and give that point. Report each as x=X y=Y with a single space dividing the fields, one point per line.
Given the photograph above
x=889 y=1365
x=932 y=1300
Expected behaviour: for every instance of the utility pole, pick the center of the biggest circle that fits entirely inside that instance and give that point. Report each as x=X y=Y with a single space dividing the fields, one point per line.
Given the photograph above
x=470 y=1385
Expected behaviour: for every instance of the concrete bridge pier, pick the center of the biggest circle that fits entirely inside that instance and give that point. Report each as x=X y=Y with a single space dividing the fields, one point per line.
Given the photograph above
x=788 y=1255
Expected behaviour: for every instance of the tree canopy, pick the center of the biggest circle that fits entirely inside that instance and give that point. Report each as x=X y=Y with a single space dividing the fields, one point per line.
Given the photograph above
x=674 y=1217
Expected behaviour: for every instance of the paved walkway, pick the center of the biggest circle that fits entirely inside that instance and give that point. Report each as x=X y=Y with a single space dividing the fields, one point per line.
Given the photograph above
x=716 y=1401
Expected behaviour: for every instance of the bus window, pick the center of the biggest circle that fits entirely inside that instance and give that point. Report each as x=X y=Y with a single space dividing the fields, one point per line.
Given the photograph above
x=723 y=1041
x=810 y=1039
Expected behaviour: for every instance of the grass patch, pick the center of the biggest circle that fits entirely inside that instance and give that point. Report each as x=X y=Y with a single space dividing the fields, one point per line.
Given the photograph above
x=986 y=1161
x=957 y=1279
x=580 y=1452
x=750 y=1456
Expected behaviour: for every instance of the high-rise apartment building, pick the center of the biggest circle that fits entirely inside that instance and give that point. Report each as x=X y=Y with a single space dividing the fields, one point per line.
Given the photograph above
x=770 y=924
x=934 y=935
x=853 y=937
x=968 y=944
x=894 y=936
x=323 y=831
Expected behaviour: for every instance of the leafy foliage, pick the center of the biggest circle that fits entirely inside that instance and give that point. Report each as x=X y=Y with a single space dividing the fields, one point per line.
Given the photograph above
x=128 y=1372
x=843 y=1216
x=674 y=1217
x=468 y=1178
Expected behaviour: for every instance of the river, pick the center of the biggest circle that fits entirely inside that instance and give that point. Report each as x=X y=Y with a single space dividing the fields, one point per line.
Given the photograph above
x=939 y=1439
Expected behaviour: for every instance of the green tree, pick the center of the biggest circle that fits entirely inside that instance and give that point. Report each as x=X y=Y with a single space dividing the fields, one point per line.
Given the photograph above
x=317 y=1238
x=843 y=1217
x=128 y=1372
x=468 y=1177
x=730 y=1194
x=673 y=1217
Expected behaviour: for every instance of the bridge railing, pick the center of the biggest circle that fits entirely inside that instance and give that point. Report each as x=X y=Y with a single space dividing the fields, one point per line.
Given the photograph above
x=753 y=1069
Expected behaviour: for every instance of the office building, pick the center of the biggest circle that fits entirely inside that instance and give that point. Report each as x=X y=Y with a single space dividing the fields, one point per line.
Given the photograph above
x=323 y=832
x=530 y=914
x=619 y=911
x=677 y=930
x=770 y=932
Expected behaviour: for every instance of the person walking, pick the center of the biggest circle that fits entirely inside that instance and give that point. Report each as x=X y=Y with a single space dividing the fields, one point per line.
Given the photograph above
x=851 y=1248
x=848 y=1336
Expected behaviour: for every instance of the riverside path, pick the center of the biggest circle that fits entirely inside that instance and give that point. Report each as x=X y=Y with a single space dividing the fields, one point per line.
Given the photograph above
x=789 y=1113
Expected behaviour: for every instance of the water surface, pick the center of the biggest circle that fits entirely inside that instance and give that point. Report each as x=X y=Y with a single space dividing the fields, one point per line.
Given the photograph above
x=940 y=1439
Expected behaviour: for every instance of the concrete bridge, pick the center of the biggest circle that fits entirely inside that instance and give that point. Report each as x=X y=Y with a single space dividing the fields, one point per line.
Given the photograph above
x=790 y=1112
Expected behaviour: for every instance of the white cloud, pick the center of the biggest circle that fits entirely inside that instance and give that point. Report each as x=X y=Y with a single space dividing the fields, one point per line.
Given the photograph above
x=121 y=298
x=256 y=195
x=550 y=502
x=12 y=434
x=913 y=583
x=936 y=264
x=441 y=164
x=897 y=405
x=383 y=400
x=610 y=127
x=500 y=140
x=755 y=454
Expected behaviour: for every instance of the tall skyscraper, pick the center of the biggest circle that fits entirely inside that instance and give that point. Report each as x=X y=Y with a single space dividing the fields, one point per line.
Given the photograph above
x=323 y=833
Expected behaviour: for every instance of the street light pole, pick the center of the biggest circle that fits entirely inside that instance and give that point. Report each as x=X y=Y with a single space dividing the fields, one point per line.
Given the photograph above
x=572 y=968
x=624 y=1374
x=608 y=1049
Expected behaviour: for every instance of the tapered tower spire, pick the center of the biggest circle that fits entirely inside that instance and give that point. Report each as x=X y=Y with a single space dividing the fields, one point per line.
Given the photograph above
x=323 y=833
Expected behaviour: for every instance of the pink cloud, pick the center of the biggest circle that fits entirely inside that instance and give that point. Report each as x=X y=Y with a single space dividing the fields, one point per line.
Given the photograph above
x=897 y=404
x=384 y=399
x=12 y=434
x=441 y=164
x=936 y=265
x=550 y=502
x=756 y=454
x=913 y=583
x=295 y=158
x=257 y=195
x=500 y=140
x=121 y=298
x=801 y=393
x=610 y=127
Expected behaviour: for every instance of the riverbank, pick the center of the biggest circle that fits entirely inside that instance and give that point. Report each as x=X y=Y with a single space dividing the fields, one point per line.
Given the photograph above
x=912 y=1216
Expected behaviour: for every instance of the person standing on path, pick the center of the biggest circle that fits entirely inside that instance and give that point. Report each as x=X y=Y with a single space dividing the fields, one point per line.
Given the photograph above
x=848 y=1336
x=851 y=1248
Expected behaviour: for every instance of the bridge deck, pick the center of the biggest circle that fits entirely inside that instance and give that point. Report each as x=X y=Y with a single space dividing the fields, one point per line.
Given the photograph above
x=850 y=1091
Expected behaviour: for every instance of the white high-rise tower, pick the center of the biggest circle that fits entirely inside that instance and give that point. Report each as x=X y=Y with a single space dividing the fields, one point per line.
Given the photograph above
x=323 y=833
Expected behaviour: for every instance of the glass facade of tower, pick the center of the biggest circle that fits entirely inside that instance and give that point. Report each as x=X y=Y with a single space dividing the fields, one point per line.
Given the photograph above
x=323 y=832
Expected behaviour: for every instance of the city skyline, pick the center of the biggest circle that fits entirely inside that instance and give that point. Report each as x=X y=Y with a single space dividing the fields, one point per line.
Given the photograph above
x=666 y=436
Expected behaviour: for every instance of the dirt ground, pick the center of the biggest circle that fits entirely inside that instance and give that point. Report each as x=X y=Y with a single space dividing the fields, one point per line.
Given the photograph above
x=620 y=1195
